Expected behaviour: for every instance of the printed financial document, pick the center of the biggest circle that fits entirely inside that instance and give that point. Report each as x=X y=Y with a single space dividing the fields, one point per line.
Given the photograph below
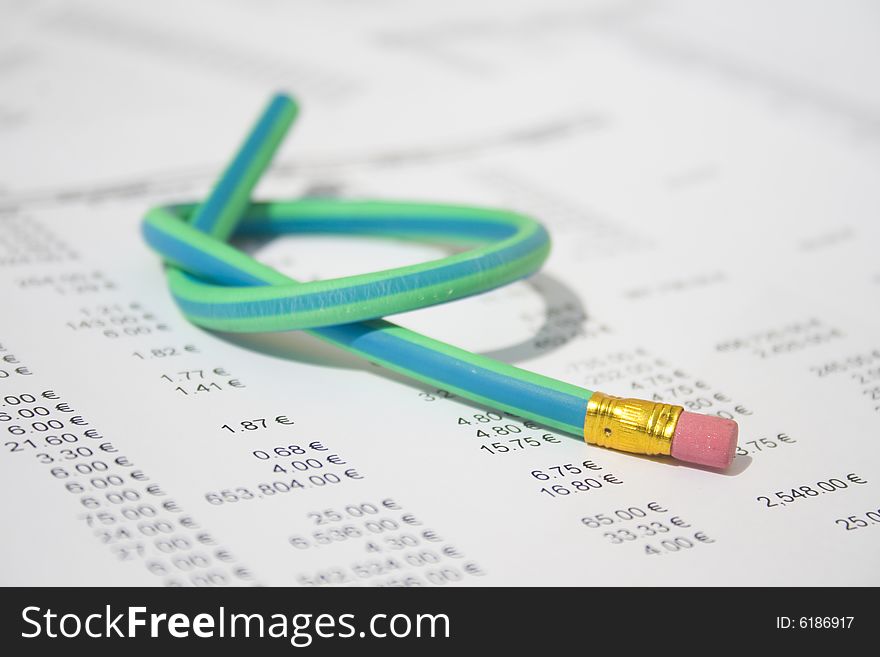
x=708 y=173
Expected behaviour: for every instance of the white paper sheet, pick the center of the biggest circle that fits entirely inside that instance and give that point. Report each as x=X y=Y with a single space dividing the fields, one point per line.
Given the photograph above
x=708 y=172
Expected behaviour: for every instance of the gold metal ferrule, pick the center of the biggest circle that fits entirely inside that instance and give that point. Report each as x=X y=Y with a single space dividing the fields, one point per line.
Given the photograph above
x=631 y=425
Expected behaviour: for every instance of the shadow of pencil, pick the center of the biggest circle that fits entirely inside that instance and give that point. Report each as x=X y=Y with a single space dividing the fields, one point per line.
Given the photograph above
x=739 y=465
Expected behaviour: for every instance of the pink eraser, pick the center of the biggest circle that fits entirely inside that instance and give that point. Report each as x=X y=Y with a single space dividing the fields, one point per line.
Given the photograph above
x=705 y=439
